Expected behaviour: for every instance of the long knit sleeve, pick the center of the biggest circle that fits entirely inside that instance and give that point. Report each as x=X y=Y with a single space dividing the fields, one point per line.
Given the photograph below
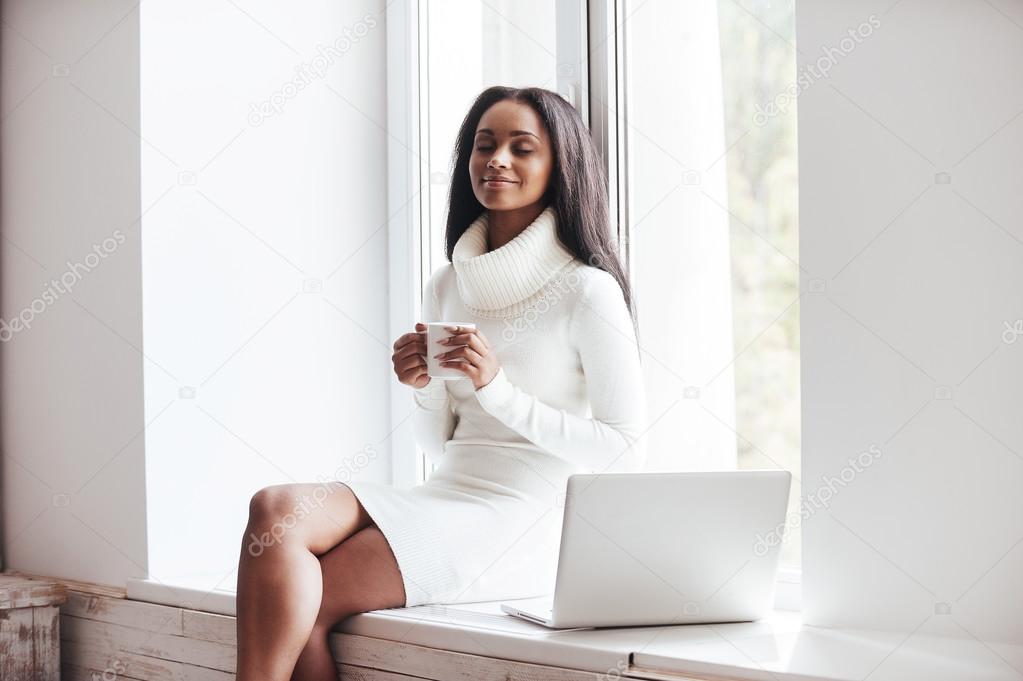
x=602 y=332
x=434 y=418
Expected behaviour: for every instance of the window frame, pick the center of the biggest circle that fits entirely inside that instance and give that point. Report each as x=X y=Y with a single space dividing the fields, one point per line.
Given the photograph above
x=405 y=183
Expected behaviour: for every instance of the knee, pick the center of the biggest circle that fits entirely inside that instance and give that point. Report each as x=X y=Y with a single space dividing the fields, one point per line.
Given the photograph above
x=272 y=509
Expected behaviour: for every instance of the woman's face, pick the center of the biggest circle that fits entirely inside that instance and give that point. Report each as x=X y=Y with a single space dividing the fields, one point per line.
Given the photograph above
x=510 y=143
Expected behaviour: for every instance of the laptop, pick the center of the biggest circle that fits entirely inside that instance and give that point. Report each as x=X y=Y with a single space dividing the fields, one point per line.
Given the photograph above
x=646 y=549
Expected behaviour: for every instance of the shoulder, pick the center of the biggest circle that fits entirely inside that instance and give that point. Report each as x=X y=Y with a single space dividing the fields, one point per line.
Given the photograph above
x=599 y=300
x=597 y=288
x=601 y=322
x=440 y=280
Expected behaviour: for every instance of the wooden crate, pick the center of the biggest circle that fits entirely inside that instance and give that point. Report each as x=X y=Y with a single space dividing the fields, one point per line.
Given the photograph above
x=30 y=628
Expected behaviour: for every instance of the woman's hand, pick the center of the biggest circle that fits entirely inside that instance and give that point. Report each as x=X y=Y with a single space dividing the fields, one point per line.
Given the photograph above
x=409 y=358
x=473 y=358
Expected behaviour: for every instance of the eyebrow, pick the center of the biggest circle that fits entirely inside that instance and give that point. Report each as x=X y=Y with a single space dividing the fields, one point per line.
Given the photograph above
x=513 y=133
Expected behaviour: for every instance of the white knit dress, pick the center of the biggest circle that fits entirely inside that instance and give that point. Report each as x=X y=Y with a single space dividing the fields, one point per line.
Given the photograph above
x=568 y=398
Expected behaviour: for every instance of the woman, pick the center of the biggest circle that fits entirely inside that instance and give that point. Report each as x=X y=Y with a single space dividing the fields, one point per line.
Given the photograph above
x=552 y=386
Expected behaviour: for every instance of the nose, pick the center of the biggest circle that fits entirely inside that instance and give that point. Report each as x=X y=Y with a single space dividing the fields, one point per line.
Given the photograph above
x=497 y=160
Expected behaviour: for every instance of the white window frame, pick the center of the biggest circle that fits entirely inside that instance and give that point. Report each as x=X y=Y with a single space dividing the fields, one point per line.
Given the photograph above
x=407 y=176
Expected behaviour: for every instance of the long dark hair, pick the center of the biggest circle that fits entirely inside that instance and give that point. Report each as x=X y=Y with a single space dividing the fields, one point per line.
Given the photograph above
x=577 y=188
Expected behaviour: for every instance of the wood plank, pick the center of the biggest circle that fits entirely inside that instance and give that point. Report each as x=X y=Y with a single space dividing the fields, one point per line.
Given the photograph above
x=46 y=643
x=120 y=638
x=209 y=626
x=17 y=591
x=120 y=663
x=165 y=619
x=30 y=643
x=353 y=673
x=409 y=659
x=16 y=654
x=73 y=584
x=73 y=672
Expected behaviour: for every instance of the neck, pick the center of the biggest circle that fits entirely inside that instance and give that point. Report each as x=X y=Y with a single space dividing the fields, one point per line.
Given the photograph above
x=504 y=281
x=505 y=225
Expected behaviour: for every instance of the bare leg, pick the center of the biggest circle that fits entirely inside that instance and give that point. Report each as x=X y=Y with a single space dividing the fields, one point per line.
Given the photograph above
x=280 y=584
x=359 y=575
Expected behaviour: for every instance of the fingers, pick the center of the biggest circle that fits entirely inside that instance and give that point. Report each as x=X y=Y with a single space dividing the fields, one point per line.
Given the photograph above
x=474 y=341
x=410 y=343
x=468 y=348
x=464 y=367
x=412 y=348
x=409 y=363
x=406 y=338
x=465 y=352
x=409 y=355
x=461 y=330
x=411 y=375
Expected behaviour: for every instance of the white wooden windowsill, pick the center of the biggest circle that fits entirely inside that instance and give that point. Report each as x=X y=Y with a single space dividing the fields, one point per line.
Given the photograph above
x=779 y=648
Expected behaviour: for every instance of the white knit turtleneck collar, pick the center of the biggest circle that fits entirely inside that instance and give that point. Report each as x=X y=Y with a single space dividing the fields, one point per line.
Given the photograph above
x=503 y=281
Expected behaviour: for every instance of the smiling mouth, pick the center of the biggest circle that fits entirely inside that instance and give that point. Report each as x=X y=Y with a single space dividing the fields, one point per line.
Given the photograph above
x=499 y=182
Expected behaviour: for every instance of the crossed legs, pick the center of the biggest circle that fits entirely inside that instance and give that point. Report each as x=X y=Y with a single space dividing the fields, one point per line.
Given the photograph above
x=310 y=557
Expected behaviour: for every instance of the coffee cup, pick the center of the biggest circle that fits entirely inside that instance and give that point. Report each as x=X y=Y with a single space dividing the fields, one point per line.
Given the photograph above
x=435 y=331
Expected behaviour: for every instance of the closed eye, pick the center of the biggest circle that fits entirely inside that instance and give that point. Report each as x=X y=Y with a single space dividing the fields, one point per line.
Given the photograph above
x=517 y=151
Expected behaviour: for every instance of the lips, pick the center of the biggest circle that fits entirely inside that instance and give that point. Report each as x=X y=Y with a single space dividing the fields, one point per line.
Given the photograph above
x=498 y=180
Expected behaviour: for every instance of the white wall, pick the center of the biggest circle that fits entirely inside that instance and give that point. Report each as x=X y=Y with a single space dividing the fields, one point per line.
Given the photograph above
x=71 y=414
x=290 y=377
x=910 y=217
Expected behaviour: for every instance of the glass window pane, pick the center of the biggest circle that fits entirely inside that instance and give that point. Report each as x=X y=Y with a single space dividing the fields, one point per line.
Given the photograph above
x=758 y=68
x=472 y=45
x=712 y=225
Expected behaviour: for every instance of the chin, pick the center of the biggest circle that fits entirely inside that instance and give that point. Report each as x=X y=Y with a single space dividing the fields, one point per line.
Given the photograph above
x=500 y=203
x=503 y=202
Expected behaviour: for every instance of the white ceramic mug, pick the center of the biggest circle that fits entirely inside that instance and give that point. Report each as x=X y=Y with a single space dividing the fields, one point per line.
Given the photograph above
x=434 y=332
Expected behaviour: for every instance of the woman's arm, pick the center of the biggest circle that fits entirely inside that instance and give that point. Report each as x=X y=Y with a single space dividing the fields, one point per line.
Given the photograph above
x=434 y=420
x=602 y=331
